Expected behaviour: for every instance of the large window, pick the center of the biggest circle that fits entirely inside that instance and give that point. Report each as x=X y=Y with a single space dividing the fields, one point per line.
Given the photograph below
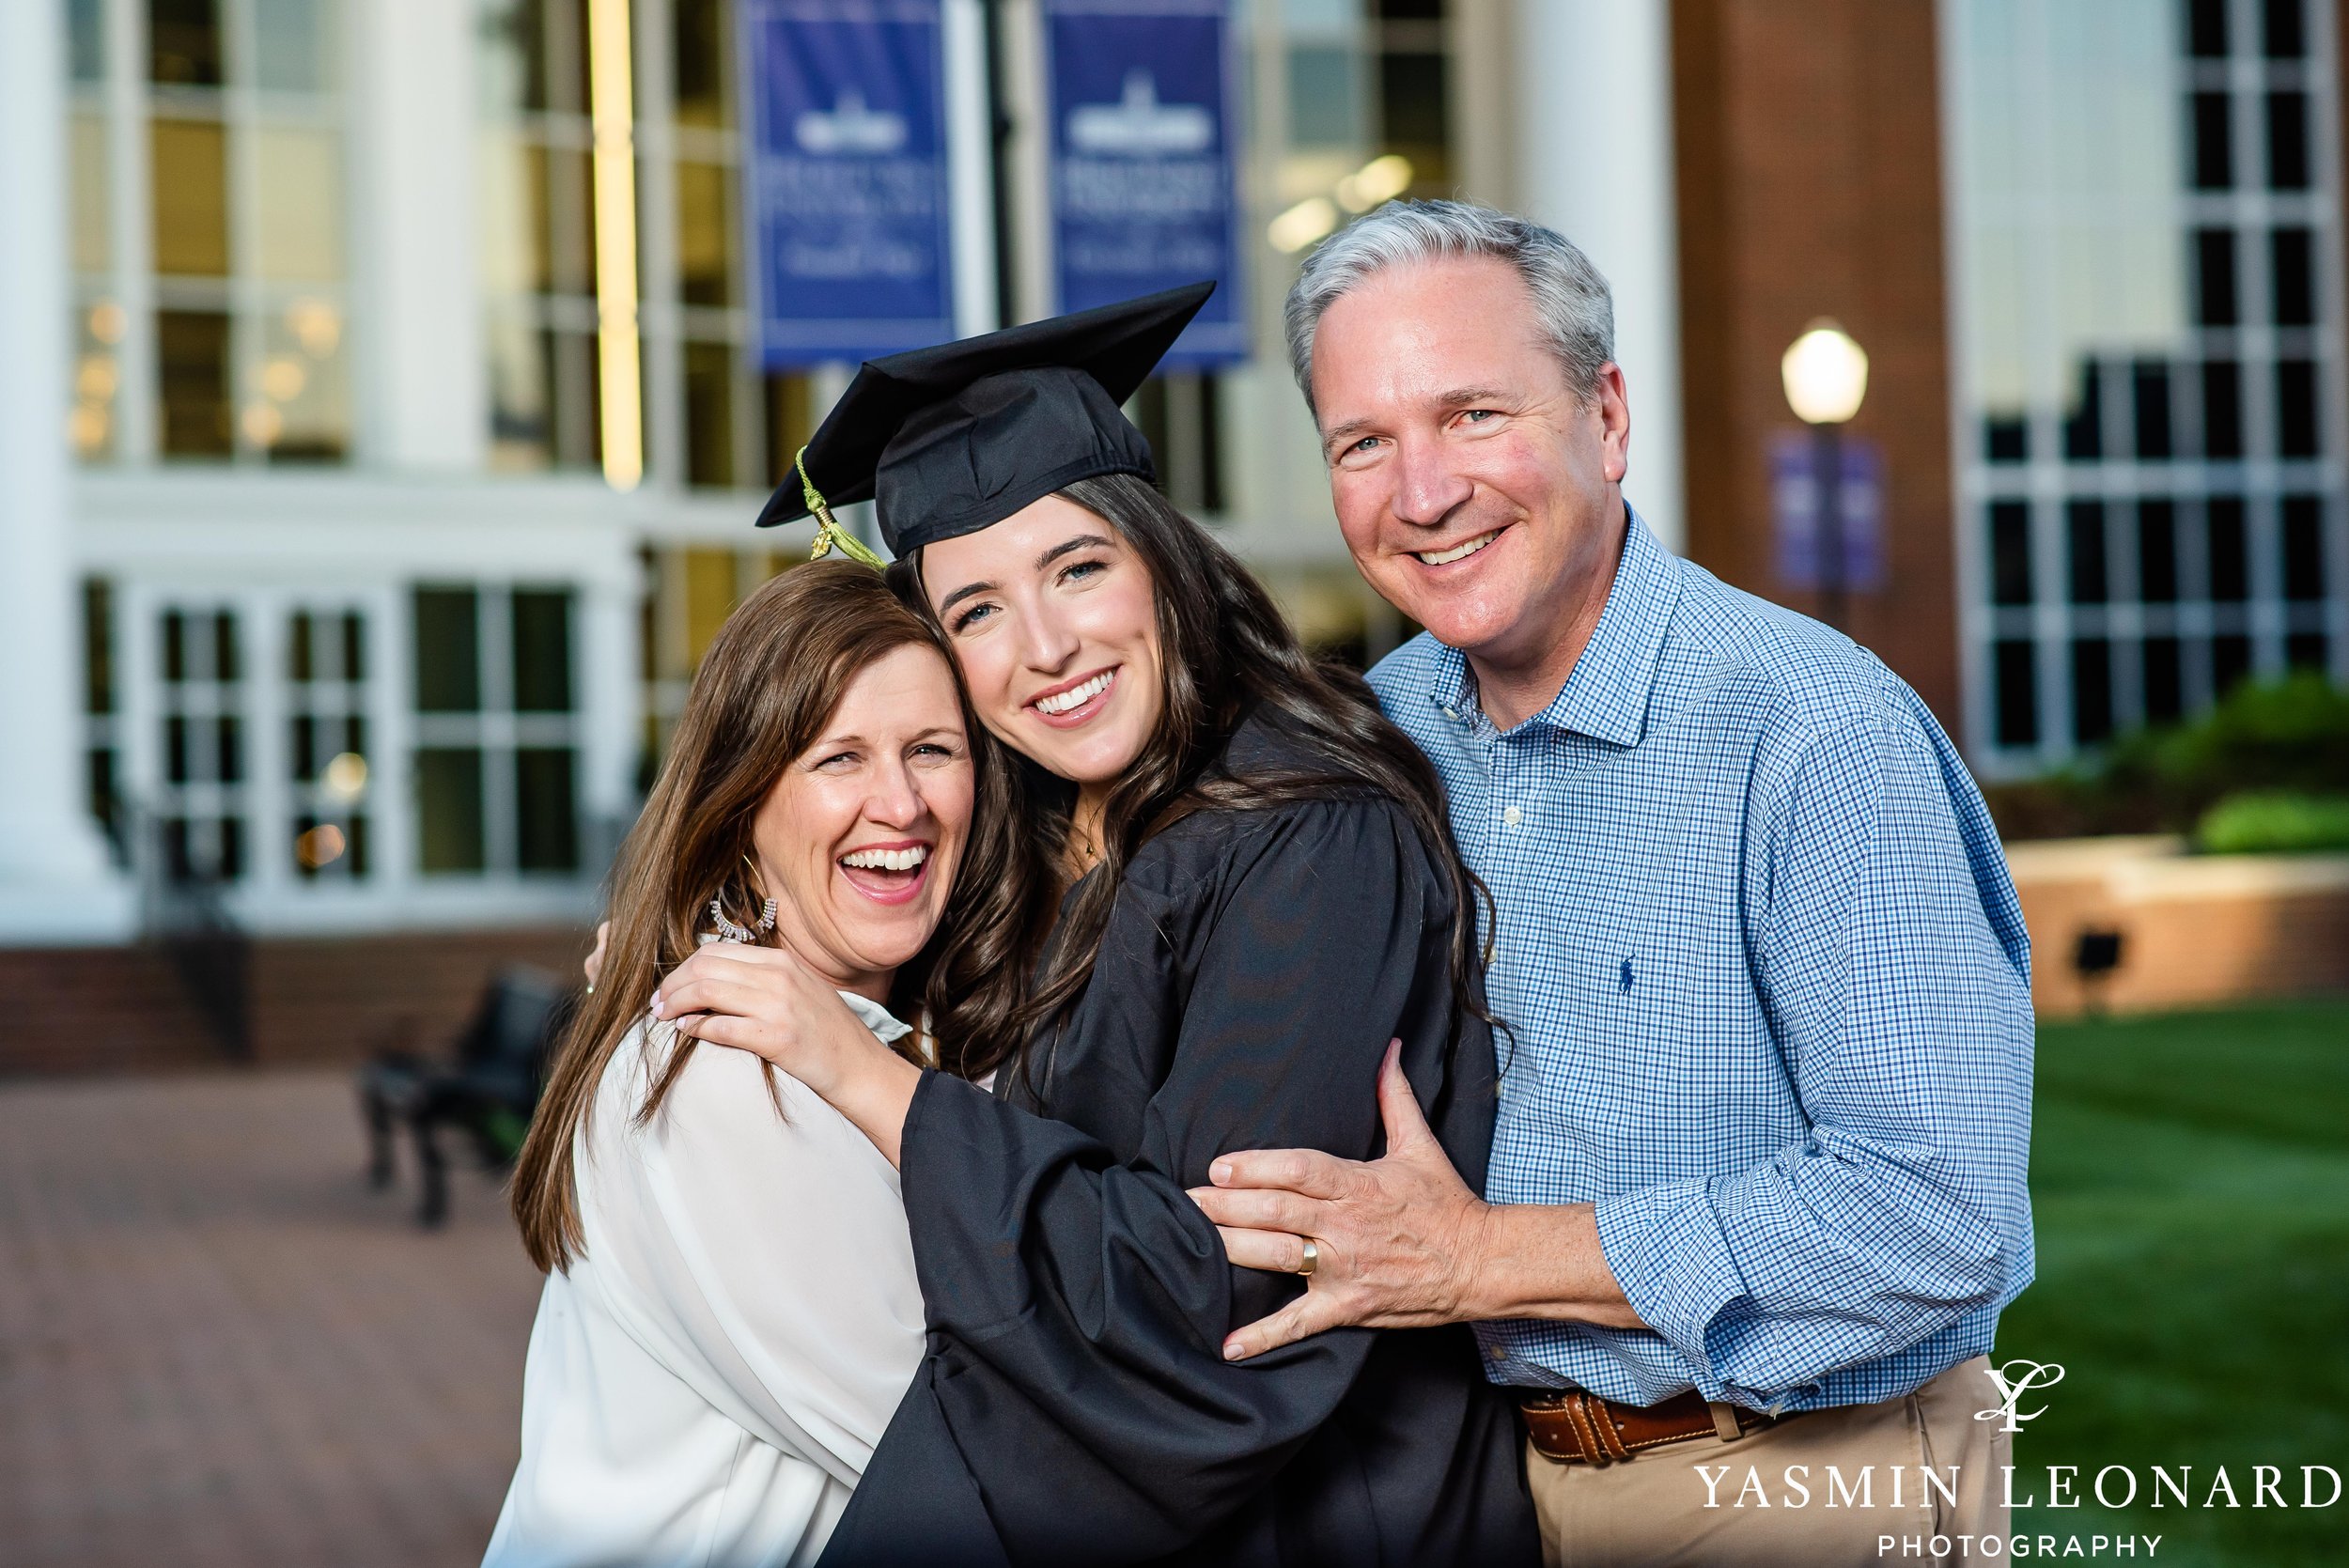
x=714 y=420
x=208 y=230
x=2150 y=385
x=496 y=761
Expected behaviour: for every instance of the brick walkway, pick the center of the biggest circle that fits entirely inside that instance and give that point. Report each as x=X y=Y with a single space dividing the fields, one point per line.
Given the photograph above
x=218 y=1347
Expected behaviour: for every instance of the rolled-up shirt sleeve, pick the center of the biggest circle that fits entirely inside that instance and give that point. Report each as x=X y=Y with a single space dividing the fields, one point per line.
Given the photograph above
x=1904 y=1019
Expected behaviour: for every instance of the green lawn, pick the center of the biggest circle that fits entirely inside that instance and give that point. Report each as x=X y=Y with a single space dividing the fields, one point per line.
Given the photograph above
x=2192 y=1181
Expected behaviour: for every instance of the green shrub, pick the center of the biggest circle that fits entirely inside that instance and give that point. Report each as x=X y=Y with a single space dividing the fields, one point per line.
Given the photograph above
x=2274 y=822
x=2289 y=736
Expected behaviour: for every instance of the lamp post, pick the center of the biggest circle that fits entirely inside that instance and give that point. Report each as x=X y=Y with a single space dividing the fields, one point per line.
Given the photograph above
x=1826 y=376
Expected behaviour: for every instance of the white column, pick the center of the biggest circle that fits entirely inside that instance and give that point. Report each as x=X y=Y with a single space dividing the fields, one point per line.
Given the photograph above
x=1594 y=161
x=610 y=711
x=56 y=884
x=419 y=274
x=970 y=166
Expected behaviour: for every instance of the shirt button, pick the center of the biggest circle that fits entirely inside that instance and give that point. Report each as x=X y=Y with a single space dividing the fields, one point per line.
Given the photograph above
x=1498 y=1354
x=1513 y=816
x=1451 y=713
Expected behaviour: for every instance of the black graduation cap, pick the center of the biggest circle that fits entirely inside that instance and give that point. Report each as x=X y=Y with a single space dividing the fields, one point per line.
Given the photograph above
x=952 y=439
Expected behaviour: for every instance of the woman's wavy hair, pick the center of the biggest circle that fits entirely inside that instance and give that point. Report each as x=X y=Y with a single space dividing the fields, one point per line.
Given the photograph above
x=1226 y=651
x=771 y=680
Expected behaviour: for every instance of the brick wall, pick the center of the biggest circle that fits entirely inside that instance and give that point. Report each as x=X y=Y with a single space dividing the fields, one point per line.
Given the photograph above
x=1808 y=139
x=326 y=1001
x=2196 y=931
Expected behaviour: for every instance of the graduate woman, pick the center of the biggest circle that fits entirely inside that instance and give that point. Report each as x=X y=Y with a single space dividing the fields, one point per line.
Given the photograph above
x=1236 y=888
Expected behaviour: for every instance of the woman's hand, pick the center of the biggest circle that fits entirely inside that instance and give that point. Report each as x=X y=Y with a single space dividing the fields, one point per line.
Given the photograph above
x=764 y=1001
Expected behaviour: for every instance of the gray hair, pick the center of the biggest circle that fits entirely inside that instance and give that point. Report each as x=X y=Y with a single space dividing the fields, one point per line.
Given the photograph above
x=1576 y=312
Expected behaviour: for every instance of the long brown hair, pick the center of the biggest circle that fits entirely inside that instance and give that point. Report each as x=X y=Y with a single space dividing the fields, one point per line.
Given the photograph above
x=771 y=680
x=1226 y=651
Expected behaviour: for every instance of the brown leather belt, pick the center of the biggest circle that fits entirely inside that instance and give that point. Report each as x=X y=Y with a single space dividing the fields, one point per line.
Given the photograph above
x=1576 y=1428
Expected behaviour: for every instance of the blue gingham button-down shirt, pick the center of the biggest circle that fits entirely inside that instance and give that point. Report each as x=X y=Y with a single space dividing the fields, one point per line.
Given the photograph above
x=1769 y=983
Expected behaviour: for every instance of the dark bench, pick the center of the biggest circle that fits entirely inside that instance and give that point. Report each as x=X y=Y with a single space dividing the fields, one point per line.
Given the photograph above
x=486 y=1089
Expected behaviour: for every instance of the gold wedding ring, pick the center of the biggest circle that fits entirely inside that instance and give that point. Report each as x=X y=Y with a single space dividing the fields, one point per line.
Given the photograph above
x=1313 y=1259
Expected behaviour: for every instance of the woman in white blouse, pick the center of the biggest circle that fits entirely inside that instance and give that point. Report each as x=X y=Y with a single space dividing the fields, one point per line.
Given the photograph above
x=731 y=1314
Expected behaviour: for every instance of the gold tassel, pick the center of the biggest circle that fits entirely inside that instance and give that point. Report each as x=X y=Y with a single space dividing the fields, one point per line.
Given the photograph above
x=830 y=535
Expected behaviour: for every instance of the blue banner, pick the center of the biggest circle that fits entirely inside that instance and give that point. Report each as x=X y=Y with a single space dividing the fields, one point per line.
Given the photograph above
x=1143 y=194
x=845 y=185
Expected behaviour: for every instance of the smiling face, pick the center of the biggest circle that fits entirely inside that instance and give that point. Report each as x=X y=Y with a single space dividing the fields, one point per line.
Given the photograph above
x=1477 y=492
x=1052 y=618
x=857 y=840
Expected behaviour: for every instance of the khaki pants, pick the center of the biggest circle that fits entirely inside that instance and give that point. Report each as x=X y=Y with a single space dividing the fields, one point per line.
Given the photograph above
x=1656 y=1507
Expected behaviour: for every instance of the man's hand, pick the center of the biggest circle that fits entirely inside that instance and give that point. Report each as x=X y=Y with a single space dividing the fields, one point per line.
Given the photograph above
x=1399 y=1240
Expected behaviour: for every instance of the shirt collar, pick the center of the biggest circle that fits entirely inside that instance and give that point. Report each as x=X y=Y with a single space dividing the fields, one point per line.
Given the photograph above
x=873 y=1016
x=1606 y=696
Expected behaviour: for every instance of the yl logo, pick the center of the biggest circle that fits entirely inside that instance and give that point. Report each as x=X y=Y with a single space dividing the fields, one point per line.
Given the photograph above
x=2015 y=1379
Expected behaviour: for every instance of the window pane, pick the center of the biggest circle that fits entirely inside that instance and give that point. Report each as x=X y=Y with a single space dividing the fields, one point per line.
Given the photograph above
x=2222 y=409
x=2303 y=650
x=98 y=645
x=1413 y=112
x=190 y=198
x=2229 y=663
x=2083 y=423
x=2092 y=690
x=2084 y=522
x=2295 y=293
x=2230 y=564
x=97 y=379
x=512 y=57
x=448 y=809
x=2018 y=689
x=2213 y=277
x=2214 y=143
x=2149 y=397
x=298 y=201
x=2010 y=552
x=697 y=51
x=708 y=414
x=294 y=40
x=304 y=387
x=183 y=42
x=192 y=375
x=2304 y=548
x=790 y=420
x=511 y=212
x=542 y=651
x=522 y=431
x=448 y=651
x=2288 y=141
x=2295 y=409
x=547 y=836
x=2206 y=29
x=2163 y=685
x=704 y=275
x=2156 y=552
x=93 y=231
x=570 y=208
x=1326 y=108
x=86 y=39
x=2005 y=439
x=2282 y=33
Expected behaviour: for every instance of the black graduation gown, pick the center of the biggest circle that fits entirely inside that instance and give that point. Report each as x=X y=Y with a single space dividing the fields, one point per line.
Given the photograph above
x=1074 y=1406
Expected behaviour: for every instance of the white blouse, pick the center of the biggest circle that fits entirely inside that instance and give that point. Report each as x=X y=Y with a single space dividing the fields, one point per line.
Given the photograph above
x=708 y=1380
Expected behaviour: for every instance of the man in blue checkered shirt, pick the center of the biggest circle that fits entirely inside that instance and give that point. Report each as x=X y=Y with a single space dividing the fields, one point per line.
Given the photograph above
x=1757 y=1191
